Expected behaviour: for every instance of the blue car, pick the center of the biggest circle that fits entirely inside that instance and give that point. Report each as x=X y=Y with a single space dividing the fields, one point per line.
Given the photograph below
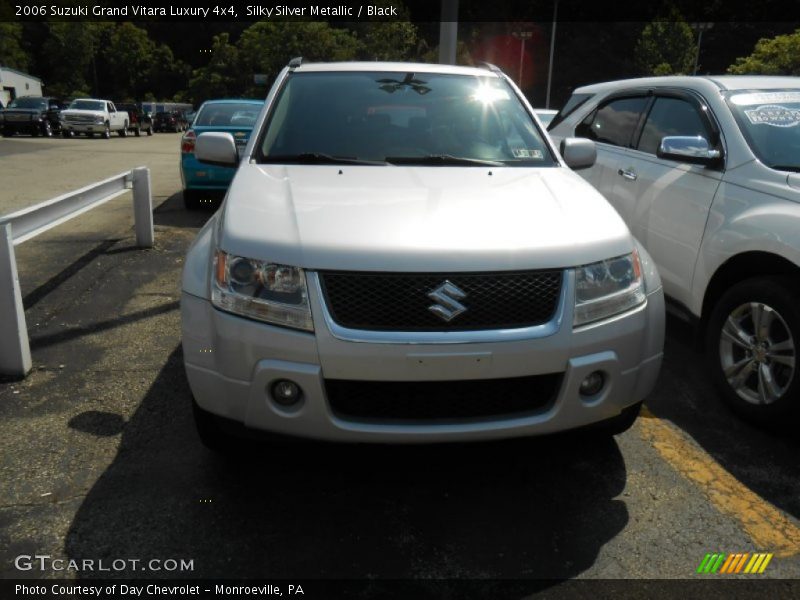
x=201 y=182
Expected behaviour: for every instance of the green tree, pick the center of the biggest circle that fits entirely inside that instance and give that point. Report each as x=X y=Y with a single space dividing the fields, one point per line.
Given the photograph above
x=71 y=49
x=387 y=40
x=12 y=53
x=166 y=76
x=221 y=77
x=666 y=46
x=776 y=56
x=266 y=47
x=129 y=56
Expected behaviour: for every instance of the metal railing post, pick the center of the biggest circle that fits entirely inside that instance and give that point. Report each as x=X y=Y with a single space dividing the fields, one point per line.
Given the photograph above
x=142 y=207
x=15 y=352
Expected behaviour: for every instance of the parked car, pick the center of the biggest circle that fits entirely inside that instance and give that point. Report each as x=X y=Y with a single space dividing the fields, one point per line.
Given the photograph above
x=138 y=119
x=545 y=115
x=706 y=172
x=202 y=181
x=403 y=256
x=35 y=115
x=91 y=115
x=174 y=121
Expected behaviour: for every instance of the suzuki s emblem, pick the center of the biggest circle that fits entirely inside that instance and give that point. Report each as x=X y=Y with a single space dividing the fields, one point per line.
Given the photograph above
x=447 y=297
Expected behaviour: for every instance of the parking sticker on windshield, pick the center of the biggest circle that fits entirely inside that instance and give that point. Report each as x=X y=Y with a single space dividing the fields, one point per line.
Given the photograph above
x=751 y=98
x=774 y=115
x=526 y=153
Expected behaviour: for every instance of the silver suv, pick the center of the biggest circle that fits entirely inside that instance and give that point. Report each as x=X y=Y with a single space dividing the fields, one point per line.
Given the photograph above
x=706 y=173
x=403 y=256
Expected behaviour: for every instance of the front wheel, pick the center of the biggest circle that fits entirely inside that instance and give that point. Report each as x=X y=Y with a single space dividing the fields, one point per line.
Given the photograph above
x=138 y=131
x=124 y=131
x=752 y=342
x=47 y=129
x=107 y=131
x=150 y=131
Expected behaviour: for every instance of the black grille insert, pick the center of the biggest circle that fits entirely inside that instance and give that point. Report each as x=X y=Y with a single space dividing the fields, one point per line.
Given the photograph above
x=425 y=401
x=400 y=302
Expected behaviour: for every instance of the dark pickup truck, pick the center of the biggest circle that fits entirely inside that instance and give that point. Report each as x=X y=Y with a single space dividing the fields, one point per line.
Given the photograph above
x=170 y=121
x=36 y=115
x=139 y=120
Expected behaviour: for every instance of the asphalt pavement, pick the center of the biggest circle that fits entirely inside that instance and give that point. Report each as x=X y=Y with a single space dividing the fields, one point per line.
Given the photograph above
x=99 y=458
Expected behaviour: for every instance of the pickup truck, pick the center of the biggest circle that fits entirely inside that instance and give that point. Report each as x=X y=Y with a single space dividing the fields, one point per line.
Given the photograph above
x=90 y=116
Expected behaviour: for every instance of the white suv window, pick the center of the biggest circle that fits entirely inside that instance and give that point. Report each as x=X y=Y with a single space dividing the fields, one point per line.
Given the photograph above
x=614 y=122
x=670 y=116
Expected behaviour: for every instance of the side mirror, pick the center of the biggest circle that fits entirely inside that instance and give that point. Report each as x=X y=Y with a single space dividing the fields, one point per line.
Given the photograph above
x=684 y=148
x=578 y=153
x=216 y=148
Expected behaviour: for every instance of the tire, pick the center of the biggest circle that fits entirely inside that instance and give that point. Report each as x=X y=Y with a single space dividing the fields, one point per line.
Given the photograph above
x=107 y=131
x=138 y=131
x=191 y=199
x=124 y=131
x=90 y=134
x=35 y=132
x=67 y=134
x=47 y=129
x=150 y=131
x=754 y=367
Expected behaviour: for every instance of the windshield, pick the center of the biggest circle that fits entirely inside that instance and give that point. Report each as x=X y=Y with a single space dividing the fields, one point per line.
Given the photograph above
x=769 y=120
x=37 y=103
x=227 y=114
x=87 y=105
x=408 y=118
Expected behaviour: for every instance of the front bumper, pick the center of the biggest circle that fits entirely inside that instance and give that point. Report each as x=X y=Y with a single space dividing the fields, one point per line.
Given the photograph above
x=83 y=127
x=231 y=363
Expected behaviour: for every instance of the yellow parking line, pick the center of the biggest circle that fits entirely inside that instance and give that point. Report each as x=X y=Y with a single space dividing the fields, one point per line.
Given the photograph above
x=768 y=527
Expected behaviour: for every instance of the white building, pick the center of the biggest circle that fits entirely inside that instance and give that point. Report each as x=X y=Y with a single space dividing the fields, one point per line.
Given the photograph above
x=15 y=83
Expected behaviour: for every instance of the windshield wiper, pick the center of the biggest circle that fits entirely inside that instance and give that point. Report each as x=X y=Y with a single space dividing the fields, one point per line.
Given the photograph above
x=318 y=158
x=443 y=160
x=793 y=168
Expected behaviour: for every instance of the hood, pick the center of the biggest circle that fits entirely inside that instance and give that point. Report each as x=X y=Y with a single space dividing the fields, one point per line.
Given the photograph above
x=423 y=219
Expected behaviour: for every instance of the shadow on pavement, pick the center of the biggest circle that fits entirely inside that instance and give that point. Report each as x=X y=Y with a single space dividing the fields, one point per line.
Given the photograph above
x=173 y=213
x=766 y=462
x=517 y=509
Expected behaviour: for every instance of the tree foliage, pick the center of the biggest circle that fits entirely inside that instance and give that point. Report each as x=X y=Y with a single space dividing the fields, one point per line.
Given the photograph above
x=12 y=52
x=776 y=56
x=666 y=46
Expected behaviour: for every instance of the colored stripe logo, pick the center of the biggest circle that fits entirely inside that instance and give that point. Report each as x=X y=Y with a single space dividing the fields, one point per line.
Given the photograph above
x=734 y=564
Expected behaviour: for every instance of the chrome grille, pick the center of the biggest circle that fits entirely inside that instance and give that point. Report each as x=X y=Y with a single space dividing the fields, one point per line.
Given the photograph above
x=402 y=301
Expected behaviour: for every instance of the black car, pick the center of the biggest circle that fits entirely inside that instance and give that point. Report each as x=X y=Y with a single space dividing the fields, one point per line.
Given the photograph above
x=173 y=120
x=139 y=120
x=36 y=115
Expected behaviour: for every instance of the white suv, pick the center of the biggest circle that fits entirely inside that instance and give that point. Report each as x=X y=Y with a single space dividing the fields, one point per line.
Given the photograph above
x=706 y=173
x=403 y=256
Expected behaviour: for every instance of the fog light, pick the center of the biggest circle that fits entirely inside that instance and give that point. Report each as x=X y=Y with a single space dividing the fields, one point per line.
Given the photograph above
x=593 y=383
x=285 y=392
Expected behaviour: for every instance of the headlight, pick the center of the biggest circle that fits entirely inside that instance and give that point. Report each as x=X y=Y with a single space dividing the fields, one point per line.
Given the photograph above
x=99 y=120
x=261 y=290
x=607 y=288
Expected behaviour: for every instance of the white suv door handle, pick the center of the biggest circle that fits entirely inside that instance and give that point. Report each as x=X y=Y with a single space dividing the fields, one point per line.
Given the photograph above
x=627 y=174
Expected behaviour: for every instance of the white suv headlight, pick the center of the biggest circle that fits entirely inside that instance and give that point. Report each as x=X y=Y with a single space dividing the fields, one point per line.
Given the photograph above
x=261 y=290
x=607 y=288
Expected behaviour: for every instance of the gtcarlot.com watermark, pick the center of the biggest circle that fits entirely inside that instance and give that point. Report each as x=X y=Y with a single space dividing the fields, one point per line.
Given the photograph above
x=44 y=562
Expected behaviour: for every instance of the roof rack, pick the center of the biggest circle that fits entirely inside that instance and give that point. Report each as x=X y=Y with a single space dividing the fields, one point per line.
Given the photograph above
x=490 y=66
x=295 y=62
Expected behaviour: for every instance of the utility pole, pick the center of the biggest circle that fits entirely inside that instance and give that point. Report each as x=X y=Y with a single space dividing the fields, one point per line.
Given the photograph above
x=448 y=32
x=552 y=51
x=699 y=28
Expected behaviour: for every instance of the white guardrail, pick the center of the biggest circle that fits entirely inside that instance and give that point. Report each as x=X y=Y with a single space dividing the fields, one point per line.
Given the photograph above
x=23 y=225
